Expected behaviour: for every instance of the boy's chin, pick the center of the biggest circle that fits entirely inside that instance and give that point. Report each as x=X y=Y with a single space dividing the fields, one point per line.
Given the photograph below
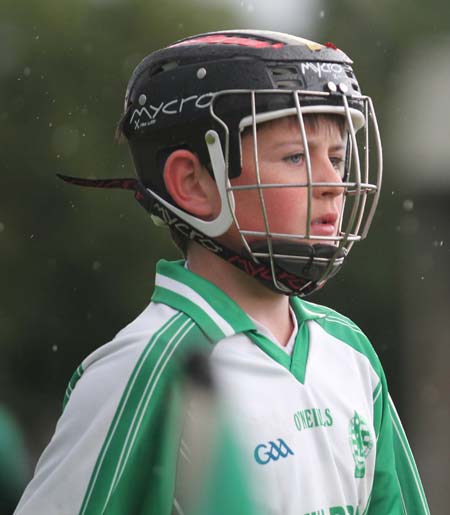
x=303 y=259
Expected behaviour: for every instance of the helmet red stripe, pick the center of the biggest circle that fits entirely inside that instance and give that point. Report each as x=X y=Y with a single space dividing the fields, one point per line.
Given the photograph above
x=229 y=40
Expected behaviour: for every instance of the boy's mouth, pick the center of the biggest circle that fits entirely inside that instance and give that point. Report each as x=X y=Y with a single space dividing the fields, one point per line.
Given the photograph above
x=324 y=225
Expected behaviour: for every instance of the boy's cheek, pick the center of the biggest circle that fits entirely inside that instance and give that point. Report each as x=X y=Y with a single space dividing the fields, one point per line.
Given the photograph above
x=284 y=216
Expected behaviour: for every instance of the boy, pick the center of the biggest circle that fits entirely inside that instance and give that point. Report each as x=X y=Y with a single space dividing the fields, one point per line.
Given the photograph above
x=245 y=145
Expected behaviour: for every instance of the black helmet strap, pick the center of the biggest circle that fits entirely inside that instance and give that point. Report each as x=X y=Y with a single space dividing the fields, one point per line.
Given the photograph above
x=260 y=270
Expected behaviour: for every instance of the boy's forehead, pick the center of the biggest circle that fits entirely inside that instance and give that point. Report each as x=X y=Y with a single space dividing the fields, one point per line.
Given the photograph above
x=329 y=125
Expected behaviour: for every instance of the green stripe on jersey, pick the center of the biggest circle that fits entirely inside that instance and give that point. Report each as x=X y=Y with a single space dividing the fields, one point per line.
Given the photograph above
x=300 y=353
x=130 y=454
x=296 y=363
x=347 y=331
x=73 y=381
x=377 y=407
x=411 y=489
x=203 y=301
x=270 y=348
x=184 y=305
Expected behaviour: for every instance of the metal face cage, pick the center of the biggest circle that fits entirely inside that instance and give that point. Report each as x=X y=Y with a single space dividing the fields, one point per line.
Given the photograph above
x=317 y=257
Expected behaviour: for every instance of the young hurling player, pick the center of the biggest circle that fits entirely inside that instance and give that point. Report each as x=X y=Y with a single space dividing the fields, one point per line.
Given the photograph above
x=245 y=146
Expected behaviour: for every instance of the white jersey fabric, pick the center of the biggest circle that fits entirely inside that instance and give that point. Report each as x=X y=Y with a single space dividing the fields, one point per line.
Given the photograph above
x=317 y=431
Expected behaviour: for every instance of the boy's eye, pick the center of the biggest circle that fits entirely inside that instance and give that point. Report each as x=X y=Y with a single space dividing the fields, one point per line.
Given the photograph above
x=295 y=159
x=338 y=164
x=298 y=158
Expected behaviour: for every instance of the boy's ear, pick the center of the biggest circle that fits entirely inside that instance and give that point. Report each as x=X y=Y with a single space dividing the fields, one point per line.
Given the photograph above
x=190 y=185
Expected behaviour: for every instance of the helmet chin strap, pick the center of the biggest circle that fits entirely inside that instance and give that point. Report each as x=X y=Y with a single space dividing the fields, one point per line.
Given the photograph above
x=311 y=265
x=289 y=268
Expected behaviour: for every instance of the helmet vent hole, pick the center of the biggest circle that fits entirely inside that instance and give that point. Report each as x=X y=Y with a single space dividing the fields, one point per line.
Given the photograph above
x=283 y=71
x=349 y=72
x=286 y=77
x=290 y=84
x=164 y=67
x=355 y=86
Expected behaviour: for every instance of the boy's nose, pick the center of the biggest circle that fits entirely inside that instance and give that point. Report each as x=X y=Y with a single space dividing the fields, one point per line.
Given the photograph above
x=325 y=173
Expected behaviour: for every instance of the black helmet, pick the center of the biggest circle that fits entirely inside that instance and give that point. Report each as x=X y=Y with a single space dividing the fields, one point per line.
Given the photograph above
x=201 y=93
x=171 y=92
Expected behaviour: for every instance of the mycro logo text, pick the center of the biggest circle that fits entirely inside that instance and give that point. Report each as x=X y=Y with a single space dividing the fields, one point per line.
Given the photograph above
x=147 y=114
x=272 y=451
x=320 y=69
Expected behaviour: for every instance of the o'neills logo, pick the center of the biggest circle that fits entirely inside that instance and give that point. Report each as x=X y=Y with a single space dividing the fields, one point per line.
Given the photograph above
x=148 y=113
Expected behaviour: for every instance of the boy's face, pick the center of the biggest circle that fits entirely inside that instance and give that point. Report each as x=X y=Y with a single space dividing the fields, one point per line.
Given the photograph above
x=281 y=159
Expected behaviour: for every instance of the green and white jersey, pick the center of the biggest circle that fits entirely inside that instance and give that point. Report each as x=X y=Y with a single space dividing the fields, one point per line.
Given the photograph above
x=317 y=431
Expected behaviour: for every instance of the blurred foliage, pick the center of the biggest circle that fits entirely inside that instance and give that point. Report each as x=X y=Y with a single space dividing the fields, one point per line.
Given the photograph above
x=76 y=265
x=378 y=36
x=13 y=462
x=397 y=283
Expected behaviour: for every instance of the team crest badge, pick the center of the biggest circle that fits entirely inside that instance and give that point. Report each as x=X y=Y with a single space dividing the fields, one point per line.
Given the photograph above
x=360 y=442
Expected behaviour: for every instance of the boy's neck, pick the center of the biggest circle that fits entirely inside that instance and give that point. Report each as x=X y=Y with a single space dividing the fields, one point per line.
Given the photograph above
x=267 y=307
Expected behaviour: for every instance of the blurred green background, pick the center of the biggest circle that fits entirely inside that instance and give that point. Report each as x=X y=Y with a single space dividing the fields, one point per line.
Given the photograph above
x=76 y=265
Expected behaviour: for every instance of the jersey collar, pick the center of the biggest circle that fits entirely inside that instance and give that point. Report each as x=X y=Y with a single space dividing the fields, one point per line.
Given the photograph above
x=214 y=311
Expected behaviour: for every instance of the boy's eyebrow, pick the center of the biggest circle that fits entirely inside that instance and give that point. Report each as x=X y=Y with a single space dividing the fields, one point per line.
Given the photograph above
x=337 y=147
x=334 y=148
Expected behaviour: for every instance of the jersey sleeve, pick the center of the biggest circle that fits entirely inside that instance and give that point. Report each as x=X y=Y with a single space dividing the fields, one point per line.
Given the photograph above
x=397 y=488
x=106 y=457
x=115 y=447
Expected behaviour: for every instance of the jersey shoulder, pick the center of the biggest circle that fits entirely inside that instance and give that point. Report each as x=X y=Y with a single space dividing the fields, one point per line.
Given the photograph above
x=344 y=329
x=111 y=364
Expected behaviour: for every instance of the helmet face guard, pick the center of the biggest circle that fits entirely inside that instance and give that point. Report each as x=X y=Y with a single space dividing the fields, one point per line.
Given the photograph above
x=323 y=256
x=204 y=93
